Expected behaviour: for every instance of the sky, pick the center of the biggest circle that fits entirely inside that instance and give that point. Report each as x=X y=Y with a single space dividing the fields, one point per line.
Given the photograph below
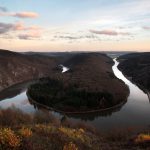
x=75 y=25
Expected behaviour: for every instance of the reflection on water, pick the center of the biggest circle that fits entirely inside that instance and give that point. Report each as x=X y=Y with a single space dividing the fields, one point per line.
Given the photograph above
x=64 y=69
x=14 y=90
x=87 y=116
x=96 y=115
x=20 y=101
x=16 y=96
x=135 y=112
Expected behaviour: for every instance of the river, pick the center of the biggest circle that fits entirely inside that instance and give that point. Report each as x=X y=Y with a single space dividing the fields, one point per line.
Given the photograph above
x=134 y=113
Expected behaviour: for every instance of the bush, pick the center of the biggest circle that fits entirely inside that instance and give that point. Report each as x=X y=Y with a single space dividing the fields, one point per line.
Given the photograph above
x=8 y=139
x=25 y=132
x=70 y=146
x=141 y=138
x=14 y=117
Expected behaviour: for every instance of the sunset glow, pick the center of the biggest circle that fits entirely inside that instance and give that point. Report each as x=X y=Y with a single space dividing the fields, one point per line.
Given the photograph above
x=80 y=25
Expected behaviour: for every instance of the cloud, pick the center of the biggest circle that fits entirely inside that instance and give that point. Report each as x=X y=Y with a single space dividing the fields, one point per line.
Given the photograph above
x=5 y=27
x=21 y=26
x=146 y=28
x=27 y=32
x=109 y=32
x=30 y=35
x=25 y=15
x=106 y=32
x=68 y=37
x=20 y=14
x=75 y=37
x=3 y=9
x=33 y=31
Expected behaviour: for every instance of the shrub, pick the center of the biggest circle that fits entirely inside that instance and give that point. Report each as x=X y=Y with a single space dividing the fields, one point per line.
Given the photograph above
x=25 y=132
x=141 y=138
x=14 y=117
x=8 y=139
x=70 y=146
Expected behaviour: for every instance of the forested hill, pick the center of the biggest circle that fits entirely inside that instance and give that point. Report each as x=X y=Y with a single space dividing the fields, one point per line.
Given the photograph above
x=90 y=84
x=137 y=67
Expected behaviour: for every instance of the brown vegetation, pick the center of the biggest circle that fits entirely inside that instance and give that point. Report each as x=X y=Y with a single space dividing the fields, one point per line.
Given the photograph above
x=28 y=133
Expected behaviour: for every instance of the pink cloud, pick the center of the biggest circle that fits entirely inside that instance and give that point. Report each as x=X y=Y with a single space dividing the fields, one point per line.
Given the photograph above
x=21 y=26
x=25 y=15
x=146 y=28
x=109 y=32
x=20 y=14
x=30 y=35
x=32 y=32
x=33 y=27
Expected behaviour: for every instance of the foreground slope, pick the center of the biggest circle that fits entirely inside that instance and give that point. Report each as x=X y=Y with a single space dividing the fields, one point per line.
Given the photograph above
x=41 y=131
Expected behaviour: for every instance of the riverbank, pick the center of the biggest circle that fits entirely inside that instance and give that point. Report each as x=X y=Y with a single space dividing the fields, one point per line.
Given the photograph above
x=136 y=66
x=35 y=103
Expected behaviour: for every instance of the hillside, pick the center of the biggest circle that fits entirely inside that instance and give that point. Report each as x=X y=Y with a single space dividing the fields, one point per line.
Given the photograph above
x=89 y=85
x=93 y=72
x=137 y=67
x=16 y=67
x=42 y=131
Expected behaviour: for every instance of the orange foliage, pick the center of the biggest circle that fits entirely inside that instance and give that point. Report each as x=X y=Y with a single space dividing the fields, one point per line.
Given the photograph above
x=70 y=146
x=25 y=132
x=142 y=138
x=9 y=139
